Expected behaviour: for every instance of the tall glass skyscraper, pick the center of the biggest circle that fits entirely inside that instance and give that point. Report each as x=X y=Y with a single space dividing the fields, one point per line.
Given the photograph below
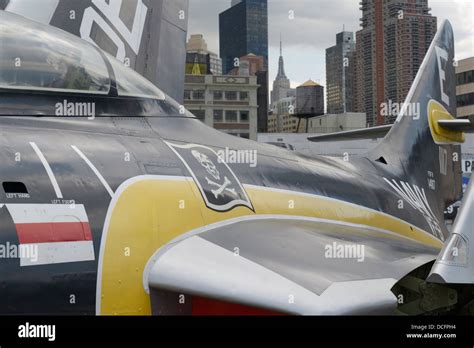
x=243 y=29
x=339 y=94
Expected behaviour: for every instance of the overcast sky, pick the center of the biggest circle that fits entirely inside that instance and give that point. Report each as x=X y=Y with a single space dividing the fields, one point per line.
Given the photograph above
x=314 y=29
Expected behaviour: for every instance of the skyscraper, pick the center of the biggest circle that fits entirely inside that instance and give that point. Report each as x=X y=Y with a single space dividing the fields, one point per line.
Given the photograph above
x=243 y=29
x=339 y=95
x=281 y=85
x=390 y=47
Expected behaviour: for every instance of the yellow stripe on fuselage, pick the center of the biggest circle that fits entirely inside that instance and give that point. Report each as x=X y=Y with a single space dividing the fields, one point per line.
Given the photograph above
x=149 y=213
x=279 y=202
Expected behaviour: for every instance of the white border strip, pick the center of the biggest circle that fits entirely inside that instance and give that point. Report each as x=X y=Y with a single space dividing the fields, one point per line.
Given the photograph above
x=58 y=252
x=46 y=213
x=124 y=186
x=52 y=178
x=95 y=170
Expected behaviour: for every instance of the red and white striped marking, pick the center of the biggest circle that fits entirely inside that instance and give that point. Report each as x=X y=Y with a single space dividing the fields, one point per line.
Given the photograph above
x=60 y=232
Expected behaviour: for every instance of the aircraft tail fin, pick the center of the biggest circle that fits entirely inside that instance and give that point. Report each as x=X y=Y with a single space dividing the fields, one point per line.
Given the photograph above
x=418 y=151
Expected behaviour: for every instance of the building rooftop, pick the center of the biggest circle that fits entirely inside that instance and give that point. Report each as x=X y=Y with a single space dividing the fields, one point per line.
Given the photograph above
x=309 y=83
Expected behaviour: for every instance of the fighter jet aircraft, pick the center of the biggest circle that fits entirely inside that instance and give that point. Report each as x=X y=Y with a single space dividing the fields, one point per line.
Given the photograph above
x=117 y=201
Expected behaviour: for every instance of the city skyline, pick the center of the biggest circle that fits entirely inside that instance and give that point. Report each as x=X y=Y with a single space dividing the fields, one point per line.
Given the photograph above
x=314 y=29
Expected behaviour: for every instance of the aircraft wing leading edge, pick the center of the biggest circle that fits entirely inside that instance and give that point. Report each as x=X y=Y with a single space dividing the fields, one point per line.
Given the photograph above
x=286 y=265
x=455 y=263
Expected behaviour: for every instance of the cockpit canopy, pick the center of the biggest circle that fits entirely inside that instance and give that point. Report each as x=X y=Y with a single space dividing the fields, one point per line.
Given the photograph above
x=37 y=59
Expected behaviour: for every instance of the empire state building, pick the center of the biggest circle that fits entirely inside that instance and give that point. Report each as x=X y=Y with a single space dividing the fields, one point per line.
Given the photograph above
x=281 y=85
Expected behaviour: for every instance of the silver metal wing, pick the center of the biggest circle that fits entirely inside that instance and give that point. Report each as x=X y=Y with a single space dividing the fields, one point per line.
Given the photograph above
x=291 y=265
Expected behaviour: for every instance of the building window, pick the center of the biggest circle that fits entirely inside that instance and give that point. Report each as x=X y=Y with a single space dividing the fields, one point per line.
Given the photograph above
x=200 y=114
x=231 y=116
x=244 y=96
x=231 y=95
x=244 y=116
x=198 y=95
x=465 y=77
x=218 y=115
x=465 y=99
x=217 y=95
x=187 y=94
